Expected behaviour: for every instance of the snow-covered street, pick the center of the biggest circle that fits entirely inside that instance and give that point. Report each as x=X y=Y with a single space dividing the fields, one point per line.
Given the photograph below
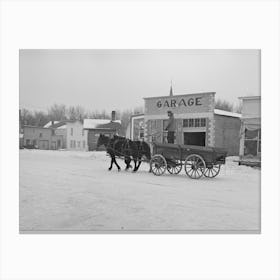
x=63 y=190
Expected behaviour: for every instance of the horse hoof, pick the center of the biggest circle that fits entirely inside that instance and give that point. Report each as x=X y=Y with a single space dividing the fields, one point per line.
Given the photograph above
x=119 y=169
x=109 y=169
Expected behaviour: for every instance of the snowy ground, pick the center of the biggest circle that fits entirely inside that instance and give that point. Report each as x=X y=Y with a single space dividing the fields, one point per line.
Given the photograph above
x=63 y=190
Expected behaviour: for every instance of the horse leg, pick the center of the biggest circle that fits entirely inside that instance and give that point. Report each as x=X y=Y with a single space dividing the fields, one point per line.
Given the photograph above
x=139 y=163
x=111 y=164
x=114 y=160
x=127 y=162
x=135 y=164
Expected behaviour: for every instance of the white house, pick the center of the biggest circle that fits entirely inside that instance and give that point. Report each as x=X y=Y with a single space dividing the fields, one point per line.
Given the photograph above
x=73 y=134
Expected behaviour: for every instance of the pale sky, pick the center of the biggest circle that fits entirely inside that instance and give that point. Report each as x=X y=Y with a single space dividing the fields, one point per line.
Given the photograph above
x=119 y=79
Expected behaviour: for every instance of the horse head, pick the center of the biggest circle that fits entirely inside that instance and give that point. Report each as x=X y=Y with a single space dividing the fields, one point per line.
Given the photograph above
x=102 y=140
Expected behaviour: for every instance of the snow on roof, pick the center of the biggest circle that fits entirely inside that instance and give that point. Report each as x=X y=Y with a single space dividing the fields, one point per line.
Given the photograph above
x=226 y=113
x=250 y=97
x=50 y=124
x=94 y=123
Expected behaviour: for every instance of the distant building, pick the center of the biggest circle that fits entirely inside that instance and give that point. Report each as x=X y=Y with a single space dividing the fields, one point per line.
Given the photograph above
x=72 y=132
x=95 y=127
x=41 y=138
x=250 y=140
x=135 y=128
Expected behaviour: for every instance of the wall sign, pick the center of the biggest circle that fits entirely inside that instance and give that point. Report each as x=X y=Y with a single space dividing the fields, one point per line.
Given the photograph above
x=181 y=102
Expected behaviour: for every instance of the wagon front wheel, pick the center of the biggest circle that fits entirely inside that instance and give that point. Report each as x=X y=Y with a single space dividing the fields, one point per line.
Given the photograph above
x=212 y=170
x=174 y=167
x=158 y=165
x=194 y=166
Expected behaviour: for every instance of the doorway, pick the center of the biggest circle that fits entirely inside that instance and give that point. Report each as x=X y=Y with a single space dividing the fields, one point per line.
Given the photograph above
x=194 y=138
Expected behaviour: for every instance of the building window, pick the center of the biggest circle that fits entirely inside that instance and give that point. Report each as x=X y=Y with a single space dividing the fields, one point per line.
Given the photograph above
x=252 y=143
x=52 y=132
x=34 y=142
x=40 y=135
x=191 y=122
x=74 y=144
x=203 y=122
x=198 y=122
x=83 y=132
x=71 y=131
x=27 y=142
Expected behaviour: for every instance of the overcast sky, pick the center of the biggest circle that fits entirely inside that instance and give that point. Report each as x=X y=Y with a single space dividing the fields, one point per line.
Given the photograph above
x=119 y=79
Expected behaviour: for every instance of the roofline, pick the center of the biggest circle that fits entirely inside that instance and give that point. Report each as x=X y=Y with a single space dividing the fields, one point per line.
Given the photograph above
x=34 y=126
x=102 y=128
x=180 y=95
x=227 y=113
x=250 y=97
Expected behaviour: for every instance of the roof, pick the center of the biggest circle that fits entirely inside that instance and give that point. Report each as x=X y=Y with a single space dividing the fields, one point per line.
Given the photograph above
x=226 y=113
x=34 y=126
x=58 y=125
x=50 y=124
x=100 y=123
x=250 y=97
x=180 y=95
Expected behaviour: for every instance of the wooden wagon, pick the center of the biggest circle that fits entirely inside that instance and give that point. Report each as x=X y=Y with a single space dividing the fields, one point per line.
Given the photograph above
x=197 y=160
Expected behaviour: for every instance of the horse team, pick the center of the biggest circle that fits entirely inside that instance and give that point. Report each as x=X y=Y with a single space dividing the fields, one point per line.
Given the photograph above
x=129 y=150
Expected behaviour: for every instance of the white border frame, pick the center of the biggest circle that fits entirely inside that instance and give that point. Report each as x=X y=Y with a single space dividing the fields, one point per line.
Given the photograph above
x=155 y=24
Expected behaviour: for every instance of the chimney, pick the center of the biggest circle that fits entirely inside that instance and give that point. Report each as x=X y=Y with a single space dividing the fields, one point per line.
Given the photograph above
x=52 y=123
x=113 y=116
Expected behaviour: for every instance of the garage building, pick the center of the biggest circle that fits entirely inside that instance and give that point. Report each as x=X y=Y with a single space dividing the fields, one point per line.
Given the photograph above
x=197 y=121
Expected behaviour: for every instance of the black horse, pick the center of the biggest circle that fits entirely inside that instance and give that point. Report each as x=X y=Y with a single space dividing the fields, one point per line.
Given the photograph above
x=141 y=150
x=126 y=148
x=113 y=147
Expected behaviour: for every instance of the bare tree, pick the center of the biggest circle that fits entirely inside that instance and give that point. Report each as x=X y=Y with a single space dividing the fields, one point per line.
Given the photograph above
x=57 y=112
x=224 y=105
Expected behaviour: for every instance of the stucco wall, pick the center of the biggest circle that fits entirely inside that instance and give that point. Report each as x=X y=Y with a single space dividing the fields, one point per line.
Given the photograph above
x=227 y=133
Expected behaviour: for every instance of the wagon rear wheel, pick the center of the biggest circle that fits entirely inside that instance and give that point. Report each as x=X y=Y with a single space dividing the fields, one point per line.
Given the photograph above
x=158 y=165
x=194 y=166
x=212 y=171
x=174 y=167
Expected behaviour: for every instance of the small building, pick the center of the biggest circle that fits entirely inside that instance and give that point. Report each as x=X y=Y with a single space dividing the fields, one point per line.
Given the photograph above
x=95 y=127
x=250 y=132
x=41 y=138
x=197 y=121
x=72 y=132
x=135 y=128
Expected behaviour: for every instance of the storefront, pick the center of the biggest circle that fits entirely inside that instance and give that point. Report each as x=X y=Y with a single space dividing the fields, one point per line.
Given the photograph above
x=250 y=140
x=197 y=121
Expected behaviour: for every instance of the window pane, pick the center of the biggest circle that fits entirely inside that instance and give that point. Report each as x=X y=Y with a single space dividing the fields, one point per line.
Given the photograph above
x=203 y=122
x=197 y=122
x=251 y=134
x=191 y=122
x=250 y=147
x=259 y=150
x=185 y=122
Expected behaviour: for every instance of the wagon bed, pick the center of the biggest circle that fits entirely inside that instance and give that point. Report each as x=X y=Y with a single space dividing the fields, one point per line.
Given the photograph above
x=197 y=160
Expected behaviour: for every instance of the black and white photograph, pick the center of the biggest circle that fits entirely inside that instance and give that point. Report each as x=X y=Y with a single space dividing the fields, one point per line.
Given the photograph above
x=140 y=140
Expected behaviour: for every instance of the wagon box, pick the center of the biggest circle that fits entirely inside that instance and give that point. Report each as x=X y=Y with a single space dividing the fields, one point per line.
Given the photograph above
x=197 y=160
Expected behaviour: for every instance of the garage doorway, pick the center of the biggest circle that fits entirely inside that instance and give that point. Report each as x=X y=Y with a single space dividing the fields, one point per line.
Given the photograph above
x=194 y=138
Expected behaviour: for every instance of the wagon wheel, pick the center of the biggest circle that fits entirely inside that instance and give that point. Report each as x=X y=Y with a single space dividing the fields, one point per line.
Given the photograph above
x=174 y=167
x=212 y=170
x=158 y=165
x=194 y=166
